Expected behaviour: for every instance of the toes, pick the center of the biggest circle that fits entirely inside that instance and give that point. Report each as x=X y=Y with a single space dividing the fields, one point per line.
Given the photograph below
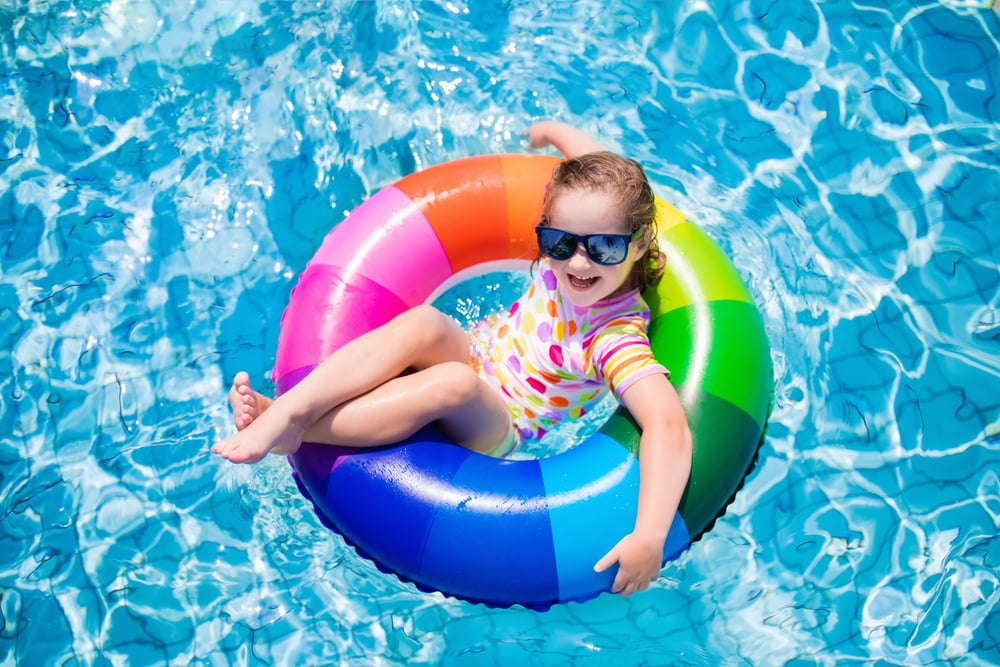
x=231 y=451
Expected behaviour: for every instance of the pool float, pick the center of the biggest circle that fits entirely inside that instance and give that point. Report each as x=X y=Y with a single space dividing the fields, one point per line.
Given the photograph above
x=505 y=532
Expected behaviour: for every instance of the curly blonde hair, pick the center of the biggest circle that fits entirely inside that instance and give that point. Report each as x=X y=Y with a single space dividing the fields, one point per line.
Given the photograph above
x=625 y=180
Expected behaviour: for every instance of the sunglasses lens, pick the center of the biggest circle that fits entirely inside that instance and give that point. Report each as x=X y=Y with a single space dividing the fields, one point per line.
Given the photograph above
x=605 y=249
x=555 y=243
x=608 y=249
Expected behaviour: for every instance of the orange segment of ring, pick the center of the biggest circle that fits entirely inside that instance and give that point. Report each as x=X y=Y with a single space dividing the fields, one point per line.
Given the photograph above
x=526 y=176
x=466 y=204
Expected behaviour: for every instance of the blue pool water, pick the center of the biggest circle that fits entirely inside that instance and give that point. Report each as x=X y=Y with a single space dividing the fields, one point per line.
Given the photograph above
x=166 y=170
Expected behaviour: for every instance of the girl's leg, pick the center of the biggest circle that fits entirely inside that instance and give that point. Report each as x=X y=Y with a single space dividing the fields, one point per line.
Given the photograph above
x=417 y=339
x=451 y=394
x=466 y=408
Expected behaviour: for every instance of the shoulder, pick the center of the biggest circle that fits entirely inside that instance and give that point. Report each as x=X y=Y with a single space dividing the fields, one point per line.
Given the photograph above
x=624 y=316
x=627 y=305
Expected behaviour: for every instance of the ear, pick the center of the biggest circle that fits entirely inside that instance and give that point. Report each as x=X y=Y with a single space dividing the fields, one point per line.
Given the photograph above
x=642 y=244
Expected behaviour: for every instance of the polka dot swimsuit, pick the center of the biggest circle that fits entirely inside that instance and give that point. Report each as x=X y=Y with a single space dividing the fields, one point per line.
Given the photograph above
x=553 y=360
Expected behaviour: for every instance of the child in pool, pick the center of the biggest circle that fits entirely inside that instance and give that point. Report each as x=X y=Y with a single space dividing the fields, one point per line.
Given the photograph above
x=577 y=333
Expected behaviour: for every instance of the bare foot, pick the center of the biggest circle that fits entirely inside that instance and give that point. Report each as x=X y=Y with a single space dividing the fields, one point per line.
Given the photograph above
x=260 y=432
x=269 y=433
x=247 y=403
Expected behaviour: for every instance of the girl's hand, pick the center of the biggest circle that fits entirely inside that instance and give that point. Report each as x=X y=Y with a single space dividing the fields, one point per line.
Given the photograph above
x=568 y=140
x=639 y=561
x=538 y=136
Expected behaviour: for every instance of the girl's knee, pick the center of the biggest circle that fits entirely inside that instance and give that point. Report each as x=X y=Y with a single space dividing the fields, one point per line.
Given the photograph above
x=426 y=327
x=456 y=385
x=468 y=410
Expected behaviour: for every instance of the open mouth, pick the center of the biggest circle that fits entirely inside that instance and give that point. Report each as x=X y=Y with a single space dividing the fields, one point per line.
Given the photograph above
x=581 y=283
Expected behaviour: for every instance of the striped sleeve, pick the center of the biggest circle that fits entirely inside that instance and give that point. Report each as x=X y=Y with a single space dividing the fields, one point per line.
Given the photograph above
x=622 y=355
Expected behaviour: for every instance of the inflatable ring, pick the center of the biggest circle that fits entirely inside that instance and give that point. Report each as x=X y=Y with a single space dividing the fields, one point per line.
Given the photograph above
x=506 y=532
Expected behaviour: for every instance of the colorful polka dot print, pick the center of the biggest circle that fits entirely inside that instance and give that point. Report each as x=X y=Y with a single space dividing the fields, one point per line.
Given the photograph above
x=554 y=360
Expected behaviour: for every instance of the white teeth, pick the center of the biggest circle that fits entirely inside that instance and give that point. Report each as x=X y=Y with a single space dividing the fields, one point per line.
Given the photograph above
x=577 y=281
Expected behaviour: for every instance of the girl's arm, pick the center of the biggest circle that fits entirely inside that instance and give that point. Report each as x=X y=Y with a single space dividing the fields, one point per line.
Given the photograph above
x=568 y=140
x=664 y=468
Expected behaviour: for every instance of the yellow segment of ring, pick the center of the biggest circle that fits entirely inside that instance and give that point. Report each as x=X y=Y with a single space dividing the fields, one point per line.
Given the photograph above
x=688 y=250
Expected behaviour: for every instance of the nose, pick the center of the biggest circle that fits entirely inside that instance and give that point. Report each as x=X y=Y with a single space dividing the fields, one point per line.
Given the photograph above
x=579 y=258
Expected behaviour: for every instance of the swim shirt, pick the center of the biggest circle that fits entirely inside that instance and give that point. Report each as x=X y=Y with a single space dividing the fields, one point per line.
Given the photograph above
x=552 y=359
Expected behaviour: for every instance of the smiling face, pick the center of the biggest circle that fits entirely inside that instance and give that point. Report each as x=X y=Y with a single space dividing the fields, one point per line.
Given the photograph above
x=583 y=212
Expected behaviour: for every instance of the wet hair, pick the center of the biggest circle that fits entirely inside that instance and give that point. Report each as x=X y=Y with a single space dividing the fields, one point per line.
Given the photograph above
x=625 y=181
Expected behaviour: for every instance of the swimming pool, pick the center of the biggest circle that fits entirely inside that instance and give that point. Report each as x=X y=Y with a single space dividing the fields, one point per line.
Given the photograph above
x=166 y=169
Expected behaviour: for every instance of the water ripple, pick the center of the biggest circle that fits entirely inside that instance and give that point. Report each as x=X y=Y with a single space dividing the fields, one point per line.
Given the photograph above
x=166 y=171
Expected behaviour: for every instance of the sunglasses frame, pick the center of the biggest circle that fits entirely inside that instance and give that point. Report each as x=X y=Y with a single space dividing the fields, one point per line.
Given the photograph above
x=584 y=239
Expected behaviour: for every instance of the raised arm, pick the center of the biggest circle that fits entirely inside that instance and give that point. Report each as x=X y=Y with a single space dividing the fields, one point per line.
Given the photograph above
x=568 y=140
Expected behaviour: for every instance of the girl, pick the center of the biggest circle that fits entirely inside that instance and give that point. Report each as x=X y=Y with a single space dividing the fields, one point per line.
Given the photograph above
x=576 y=334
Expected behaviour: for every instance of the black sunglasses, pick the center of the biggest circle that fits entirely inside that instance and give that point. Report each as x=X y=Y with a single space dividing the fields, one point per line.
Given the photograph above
x=603 y=249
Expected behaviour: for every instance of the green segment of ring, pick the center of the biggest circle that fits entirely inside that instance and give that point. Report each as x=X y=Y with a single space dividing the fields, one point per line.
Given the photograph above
x=726 y=440
x=721 y=348
x=696 y=271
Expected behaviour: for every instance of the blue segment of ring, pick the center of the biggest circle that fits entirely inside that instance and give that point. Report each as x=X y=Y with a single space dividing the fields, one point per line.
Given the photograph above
x=498 y=525
x=533 y=529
